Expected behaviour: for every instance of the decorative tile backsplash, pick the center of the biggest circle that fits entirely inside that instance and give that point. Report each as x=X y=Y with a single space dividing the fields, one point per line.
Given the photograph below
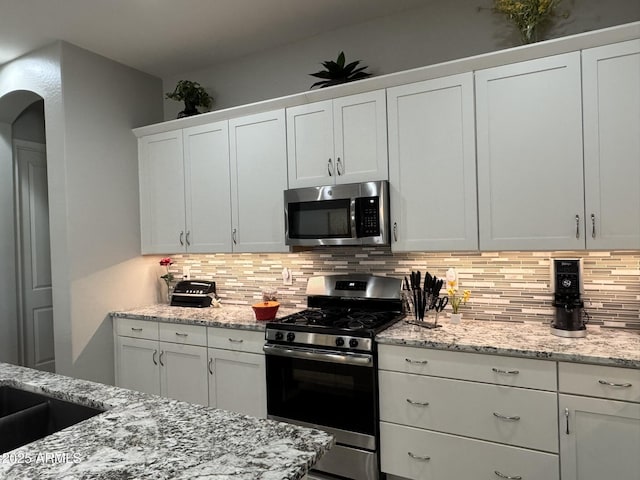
x=505 y=286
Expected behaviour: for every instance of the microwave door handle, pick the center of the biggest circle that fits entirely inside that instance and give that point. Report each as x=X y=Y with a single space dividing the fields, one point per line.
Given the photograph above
x=355 y=218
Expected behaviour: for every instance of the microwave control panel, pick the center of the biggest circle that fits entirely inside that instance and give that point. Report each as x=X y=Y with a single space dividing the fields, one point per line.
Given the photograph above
x=368 y=216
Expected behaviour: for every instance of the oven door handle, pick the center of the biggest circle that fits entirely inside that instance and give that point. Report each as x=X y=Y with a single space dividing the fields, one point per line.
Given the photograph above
x=329 y=356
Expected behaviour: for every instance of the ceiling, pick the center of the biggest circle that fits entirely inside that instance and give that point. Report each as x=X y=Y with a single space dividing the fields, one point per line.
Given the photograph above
x=168 y=37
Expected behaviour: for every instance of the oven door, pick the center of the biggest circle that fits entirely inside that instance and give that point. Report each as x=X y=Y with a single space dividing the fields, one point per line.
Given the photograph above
x=331 y=390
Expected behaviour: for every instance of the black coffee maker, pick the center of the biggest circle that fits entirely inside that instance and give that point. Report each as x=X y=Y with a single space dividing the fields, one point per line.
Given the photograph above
x=567 y=286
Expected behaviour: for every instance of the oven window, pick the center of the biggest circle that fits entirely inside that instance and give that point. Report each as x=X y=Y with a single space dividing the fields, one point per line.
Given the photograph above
x=321 y=219
x=330 y=394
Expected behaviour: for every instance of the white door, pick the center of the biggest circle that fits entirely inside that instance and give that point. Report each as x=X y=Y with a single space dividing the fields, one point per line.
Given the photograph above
x=432 y=167
x=162 y=211
x=611 y=102
x=258 y=150
x=310 y=150
x=237 y=382
x=36 y=309
x=360 y=137
x=599 y=439
x=183 y=372
x=207 y=187
x=137 y=364
x=530 y=165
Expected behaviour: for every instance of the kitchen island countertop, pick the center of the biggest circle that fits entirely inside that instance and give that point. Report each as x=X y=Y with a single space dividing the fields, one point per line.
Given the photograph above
x=148 y=437
x=226 y=316
x=601 y=346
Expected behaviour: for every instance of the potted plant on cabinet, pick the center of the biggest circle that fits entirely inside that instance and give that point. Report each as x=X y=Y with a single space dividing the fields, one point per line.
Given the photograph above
x=193 y=95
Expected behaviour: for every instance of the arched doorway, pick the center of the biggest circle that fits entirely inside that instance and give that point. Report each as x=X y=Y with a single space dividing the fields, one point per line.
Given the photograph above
x=29 y=324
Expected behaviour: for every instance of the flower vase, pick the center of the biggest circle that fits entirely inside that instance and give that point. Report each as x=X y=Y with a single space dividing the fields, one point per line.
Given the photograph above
x=455 y=318
x=170 y=288
x=529 y=34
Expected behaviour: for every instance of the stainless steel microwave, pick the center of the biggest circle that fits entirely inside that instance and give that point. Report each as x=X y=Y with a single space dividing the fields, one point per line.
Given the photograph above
x=350 y=214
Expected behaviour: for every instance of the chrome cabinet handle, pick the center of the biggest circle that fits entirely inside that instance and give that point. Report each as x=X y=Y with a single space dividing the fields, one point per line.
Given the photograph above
x=235 y=341
x=330 y=168
x=233 y=236
x=502 y=475
x=514 y=418
x=155 y=352
x=506 y=372
x=593 y=226
x=182 y=334
x=419 y=404
x=566 y=416
x=181 y=235
x=577 y=226
x=418 y=362
x=418 y=457
x=611 y=384
x=211 y=365
x=338 y=166
x=187 y=237
x=395 y=231
x=161 y=354
x=136 y=329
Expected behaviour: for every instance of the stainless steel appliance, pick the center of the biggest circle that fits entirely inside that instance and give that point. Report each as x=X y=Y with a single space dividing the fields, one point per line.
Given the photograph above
x=321 y=367
x=193 y=293
x=567 y=286
x=350 y=214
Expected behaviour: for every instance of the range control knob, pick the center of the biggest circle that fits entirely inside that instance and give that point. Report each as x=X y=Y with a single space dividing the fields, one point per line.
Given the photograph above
x=291 y=336
x=339 y=341
x=353 y=343
x=279 y=335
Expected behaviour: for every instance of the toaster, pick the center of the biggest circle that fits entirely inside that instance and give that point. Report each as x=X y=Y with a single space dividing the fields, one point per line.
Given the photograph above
x=193 y=293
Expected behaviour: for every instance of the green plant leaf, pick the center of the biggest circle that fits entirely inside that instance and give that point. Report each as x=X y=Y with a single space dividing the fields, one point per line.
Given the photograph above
x=341 y=60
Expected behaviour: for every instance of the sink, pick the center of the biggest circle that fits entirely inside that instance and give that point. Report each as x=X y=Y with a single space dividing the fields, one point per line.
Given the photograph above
x=28 y=416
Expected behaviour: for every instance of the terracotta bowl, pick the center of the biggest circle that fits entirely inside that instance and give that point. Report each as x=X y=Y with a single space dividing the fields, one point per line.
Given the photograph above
x=265 y=310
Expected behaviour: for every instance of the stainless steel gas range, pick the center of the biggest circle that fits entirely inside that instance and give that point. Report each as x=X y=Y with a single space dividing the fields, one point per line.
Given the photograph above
x=321 y=367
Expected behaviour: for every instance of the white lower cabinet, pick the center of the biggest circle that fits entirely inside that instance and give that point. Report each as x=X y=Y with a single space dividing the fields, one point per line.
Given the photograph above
x=137 y=365
x=183 y=372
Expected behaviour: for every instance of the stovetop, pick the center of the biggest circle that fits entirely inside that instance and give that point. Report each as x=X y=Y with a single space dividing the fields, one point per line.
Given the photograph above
x=341 y=320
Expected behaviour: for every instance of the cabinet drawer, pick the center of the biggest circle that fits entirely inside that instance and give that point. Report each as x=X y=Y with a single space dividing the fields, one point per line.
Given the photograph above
x=238 y=340
x=515 y=416
x=184 y=334
x=598 y=381
x=501 y=370
x=421 y=454
x=130 y=327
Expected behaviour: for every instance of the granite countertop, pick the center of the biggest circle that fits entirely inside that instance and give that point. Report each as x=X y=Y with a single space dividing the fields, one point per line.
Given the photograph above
x=226 y=316
x=601 y=346
x=148 y=437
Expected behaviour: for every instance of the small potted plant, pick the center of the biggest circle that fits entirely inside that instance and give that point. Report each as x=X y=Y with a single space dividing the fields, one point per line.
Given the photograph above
x=528 y=15
x=193 y=95
x=337 y=72
x=455 y=299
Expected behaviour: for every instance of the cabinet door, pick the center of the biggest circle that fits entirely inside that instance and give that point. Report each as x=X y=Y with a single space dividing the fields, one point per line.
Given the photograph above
x=162 y=207
x=530 y=169
x=237 y=382
x=360 y=137
x=432 y=170
x=208 y=191
x=258 y=179
x=183 y=372
x=611 y=102
x=599 y=439
x=310 y=152
x=137 y=365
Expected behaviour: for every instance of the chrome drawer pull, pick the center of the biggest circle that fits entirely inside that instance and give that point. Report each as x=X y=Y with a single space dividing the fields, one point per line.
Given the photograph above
x=610 y=384
x=506 y=372
x=419 y=404
x=182 y=334
x=417 y=362
x=136 y=329
x=502 y=475
x=514 y=418
x=418 y=457
x=235 y=341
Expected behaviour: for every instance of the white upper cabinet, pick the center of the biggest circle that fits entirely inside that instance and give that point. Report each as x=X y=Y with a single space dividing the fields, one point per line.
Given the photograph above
x=258 y=180
x=611 y=103
x=162 y=199
x=343 y=140
x=207 y=188
x=529 y=149
x=432 y=165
